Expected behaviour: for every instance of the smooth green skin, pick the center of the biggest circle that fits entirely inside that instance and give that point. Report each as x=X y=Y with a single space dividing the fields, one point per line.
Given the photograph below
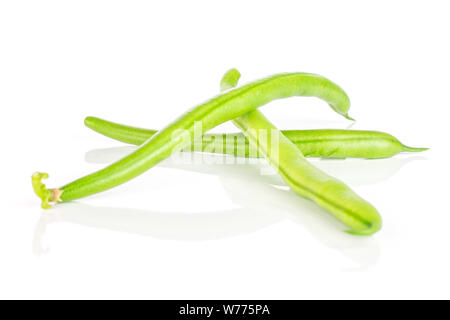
x=305 y=179
x=211 y=113
x=319 y=143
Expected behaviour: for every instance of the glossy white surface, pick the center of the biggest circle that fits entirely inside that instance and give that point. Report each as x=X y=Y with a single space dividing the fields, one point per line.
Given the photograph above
x=215 y=230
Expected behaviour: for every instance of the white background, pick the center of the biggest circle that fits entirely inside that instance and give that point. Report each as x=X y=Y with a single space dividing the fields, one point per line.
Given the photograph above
x=217 y=230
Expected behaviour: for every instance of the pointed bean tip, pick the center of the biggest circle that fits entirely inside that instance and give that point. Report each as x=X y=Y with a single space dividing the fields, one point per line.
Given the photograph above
x=412 y=149
x=349 y=118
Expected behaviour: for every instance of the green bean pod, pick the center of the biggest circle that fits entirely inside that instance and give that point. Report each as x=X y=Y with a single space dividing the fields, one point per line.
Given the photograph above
x=222 y=108
x=319 y=143
x=306 y=180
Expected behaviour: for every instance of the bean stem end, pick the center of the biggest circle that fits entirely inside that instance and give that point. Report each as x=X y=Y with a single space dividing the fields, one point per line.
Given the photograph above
x=46 y=195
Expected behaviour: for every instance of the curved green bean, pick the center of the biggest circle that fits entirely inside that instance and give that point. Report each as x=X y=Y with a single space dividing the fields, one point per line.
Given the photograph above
x=308 y=181
x=319 y=143
x=211 y=113
x=305 y=179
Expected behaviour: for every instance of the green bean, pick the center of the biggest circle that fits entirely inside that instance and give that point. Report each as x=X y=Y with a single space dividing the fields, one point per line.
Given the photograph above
x=328 y=143
x=305 y=179
x=308 y=181
x=222 y=108
x=321 y=143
